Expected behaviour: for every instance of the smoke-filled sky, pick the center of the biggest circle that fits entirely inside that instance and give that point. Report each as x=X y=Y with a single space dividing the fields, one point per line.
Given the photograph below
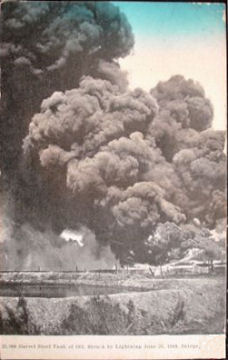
x=183 y=38
x=84 y=151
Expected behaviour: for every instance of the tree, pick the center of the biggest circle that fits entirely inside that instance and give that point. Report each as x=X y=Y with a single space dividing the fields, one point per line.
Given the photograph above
x=169 y=242
x=211 y=250
x=164 y=244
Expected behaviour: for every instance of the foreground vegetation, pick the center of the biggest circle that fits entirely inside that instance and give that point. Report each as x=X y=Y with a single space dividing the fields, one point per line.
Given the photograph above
x=175 y=306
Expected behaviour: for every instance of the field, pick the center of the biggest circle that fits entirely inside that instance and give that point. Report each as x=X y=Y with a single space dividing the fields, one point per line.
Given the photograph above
x=108 y=303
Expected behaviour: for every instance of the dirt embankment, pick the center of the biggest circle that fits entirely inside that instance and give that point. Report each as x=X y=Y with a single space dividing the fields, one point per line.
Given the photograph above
x=181 y=307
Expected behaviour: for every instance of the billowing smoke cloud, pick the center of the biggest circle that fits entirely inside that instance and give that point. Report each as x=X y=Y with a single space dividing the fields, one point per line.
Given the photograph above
x=25 y=248
x=98 y=145
x=91 y=153
x=184 y=112
x=47 y=46
x=203 y=172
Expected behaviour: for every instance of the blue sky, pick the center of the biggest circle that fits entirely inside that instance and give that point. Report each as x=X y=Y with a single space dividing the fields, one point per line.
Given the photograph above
x=179 y=38
x=152 y=19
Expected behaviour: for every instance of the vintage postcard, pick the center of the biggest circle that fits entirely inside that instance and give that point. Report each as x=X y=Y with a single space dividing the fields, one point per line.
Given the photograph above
x=113 y=180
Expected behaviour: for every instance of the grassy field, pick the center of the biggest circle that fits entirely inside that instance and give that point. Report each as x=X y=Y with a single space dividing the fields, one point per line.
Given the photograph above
x=145 y=306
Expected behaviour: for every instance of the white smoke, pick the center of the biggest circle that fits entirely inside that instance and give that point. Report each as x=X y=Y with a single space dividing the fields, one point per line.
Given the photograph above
x=72 y=235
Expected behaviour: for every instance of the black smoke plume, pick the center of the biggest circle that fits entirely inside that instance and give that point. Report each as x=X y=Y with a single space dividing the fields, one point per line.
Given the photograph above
x=48 y=46
x=82 y=151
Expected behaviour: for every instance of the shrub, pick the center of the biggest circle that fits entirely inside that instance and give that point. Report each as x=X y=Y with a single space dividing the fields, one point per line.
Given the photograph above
x=19 y=322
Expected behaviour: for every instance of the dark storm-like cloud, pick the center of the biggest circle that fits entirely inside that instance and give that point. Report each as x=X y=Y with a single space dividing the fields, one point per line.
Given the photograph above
x=46 y=47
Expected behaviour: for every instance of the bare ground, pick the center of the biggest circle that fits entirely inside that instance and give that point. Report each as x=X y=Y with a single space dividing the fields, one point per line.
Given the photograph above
x=170 y=306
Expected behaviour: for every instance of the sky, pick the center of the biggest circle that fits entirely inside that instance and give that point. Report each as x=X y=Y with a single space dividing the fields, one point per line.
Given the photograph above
x=179 y=38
